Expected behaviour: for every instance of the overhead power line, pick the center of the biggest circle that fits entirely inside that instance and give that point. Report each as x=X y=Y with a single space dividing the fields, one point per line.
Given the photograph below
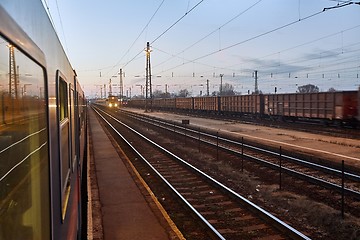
x=244 y=41
x=61 y=25
x=343 y=4
x=252 y=38
x=152 y=17
x=312 y=41
x=157 y=38
x=212 y=32
x=47 y=8
x=177 y=21
x=142 y=31
x=259 y=35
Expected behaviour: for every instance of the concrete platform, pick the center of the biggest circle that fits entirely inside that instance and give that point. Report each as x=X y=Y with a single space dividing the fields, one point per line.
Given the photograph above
x=123 y=207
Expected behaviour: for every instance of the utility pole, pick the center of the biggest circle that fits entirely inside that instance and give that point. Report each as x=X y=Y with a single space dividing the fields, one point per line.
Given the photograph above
x=207 y=87
x=121 y=93
x=148 y=91
x=13 y=75
x=100 y=90
x=256 y=82
x=110 y=89
x=221 y=76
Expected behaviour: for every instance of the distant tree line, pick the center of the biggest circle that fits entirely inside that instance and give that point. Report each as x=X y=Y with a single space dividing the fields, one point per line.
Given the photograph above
x=310 y=88
x=228 y=90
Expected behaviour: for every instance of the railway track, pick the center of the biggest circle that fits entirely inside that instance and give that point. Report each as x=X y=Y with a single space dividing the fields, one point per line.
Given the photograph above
x=323 y=184
x=223 y=212
x=304 y=126
x=337 y=180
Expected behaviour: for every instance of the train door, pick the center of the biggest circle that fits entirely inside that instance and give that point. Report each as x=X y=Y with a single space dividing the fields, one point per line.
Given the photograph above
x=77 y=127
x=73 y=154
x=64 y=140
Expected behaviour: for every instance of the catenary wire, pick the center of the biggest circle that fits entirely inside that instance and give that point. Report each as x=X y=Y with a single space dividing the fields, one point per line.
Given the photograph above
x=141 y=32
x=158 y=37
x=212 y=32
x=176 y=22
x=249 y=39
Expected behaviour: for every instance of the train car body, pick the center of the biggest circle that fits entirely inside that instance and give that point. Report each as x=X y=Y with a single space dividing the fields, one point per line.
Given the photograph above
x=243 y=105
x=111 y=102
x=42 y=128
x=168 y=103
x=99 y=102
x=328 y=106
x=136 y=103
x=206 y=104
x=184 y=103
x=159 y=103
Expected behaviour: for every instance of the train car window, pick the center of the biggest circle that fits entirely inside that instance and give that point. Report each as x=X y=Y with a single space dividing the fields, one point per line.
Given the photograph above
x=24 y=154
x=63 y=99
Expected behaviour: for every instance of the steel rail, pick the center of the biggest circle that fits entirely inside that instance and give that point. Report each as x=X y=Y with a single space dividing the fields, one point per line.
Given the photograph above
x=289 y=158
x=289 y=171
x=215 y=232
x=282 y=226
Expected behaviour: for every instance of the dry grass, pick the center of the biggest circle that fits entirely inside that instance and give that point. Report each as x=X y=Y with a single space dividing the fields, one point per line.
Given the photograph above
x=314 y=219
x=317 y=220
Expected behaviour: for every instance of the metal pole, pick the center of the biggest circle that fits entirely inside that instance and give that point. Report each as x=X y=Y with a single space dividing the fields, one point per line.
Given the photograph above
x=217 y=146
x=342 y=187
x=148 y=94
x=121 y=85
x=256 y=82
x=221 y=77
x=207 y=87
x=185 y=134
x=280 y=158
x=242 y=154
x=199 y=140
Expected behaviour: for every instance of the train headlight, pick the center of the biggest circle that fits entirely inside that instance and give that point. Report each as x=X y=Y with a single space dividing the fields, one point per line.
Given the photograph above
x=116 y=105
x=110 y=104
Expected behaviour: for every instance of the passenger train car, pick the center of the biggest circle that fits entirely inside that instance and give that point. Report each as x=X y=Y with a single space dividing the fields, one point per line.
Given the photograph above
x=112 y=102
x=42 y=128
x=326 y=107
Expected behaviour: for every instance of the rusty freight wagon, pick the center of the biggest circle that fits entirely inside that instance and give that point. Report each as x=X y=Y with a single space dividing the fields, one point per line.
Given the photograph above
x=206 y=104
x=334 y=107
x=243 y=105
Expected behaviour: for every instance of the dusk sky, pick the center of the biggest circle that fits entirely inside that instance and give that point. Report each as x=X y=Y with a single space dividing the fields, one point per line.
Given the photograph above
x=289 y=42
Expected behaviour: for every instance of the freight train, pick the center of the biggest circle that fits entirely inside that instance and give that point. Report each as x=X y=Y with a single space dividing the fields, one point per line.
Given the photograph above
x=42 y=129
x=327 y=107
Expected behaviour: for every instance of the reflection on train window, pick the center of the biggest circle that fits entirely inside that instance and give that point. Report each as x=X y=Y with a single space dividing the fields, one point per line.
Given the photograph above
x=24 y=165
